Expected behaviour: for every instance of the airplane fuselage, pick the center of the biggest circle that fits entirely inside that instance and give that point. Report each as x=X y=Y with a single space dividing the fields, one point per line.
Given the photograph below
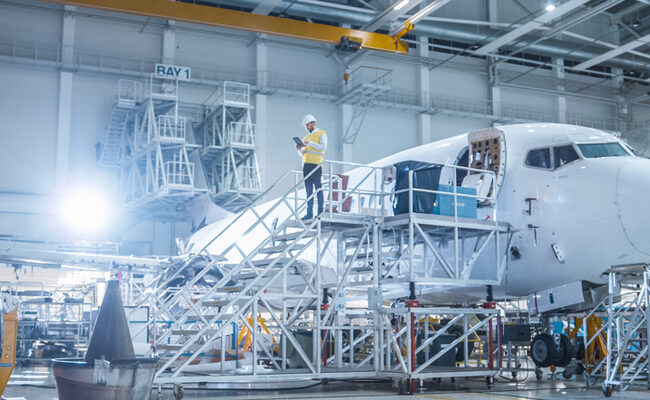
x=572 y=221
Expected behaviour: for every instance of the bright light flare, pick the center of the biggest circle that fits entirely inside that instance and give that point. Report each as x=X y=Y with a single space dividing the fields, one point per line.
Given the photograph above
x=550 y=7
x=85 y=211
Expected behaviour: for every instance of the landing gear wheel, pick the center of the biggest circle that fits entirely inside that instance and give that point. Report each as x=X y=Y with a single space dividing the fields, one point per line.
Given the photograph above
x=607 y=391
x=566 y=352
x=567 y=373
x=539 y=374
x=543 y=350
x=179 y=392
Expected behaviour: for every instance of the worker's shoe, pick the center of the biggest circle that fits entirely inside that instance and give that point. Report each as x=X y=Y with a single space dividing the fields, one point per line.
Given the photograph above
x=307 y=217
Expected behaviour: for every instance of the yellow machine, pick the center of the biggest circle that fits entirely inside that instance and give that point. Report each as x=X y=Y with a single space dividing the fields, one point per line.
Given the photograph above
x=9 y=332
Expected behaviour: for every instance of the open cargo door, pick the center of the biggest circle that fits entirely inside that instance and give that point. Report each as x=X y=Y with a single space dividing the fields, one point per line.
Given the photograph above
x=487 y=152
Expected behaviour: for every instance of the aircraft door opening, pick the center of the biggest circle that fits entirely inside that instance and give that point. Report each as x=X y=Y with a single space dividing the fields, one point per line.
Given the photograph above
x=487 y=151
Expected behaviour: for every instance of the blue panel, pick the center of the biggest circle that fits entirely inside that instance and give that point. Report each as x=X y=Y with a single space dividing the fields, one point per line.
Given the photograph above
x=444 y=204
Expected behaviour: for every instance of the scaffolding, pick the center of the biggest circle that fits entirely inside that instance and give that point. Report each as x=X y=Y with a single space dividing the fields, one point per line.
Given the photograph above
x=628 y=326
x=291 y=299
x=227 y=136
x=146 y=137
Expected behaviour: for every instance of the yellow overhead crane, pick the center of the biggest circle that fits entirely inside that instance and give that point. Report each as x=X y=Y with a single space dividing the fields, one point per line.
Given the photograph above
x=206 y=15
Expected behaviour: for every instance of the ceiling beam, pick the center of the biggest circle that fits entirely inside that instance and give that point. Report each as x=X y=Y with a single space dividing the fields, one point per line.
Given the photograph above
x=631 y=45
x=410 y=22
x=266 y=6
x=530 y=26
x=224 y=18
x=390 y=14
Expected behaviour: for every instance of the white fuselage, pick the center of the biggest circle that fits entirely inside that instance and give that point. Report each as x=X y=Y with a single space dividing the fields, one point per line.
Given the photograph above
x=593 y=209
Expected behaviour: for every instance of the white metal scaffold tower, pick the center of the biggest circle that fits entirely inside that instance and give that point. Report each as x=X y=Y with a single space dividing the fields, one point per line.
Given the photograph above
x=227 y=136
x=146 y=138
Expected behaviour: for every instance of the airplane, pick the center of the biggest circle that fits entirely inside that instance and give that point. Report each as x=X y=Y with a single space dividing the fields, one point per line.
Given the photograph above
x=573 y=196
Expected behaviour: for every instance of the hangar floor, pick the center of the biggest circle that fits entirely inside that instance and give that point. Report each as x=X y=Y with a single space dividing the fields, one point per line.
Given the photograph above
x=24 y=381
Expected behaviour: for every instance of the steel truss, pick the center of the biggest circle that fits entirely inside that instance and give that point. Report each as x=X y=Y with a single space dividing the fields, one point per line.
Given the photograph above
x=146 y=137
x=293 y=299
x=227 y=135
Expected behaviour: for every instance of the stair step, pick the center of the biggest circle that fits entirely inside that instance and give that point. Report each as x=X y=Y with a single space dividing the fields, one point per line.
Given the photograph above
x=221 y=303
x=280 y=248
x=230 y=289
x=264 y=262
x=208 y=317
x=293 y=235
x=169 y=346
x=190 y=332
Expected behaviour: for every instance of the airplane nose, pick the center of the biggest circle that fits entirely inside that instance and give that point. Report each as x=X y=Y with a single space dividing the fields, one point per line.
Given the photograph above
x=633 y=195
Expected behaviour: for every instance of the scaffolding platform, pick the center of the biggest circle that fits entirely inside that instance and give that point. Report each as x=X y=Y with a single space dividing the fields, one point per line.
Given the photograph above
x=147 y=139
x=291 y=299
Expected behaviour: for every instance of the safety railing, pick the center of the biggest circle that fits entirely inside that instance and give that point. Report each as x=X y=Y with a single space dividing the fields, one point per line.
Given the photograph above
x=129 y=93
x=241 y=134
x=163 y=89
x=32 y=52
x=179 y=173
x=371 y=194
x=366 y=75
x=236 y=94
x=171 y=128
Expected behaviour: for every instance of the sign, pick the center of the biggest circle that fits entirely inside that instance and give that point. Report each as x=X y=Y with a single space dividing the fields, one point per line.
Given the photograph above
x=167 y=71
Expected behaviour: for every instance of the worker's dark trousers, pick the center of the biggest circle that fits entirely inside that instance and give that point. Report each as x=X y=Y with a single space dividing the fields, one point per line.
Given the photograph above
x=312 y=182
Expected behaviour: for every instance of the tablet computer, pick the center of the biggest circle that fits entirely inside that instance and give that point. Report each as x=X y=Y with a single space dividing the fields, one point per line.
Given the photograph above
x=298 y=141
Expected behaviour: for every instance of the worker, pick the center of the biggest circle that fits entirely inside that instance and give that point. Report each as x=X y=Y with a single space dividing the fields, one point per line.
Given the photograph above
x=312 y=154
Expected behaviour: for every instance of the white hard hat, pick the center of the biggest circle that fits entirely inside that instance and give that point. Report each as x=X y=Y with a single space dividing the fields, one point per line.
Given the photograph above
x=308 y=118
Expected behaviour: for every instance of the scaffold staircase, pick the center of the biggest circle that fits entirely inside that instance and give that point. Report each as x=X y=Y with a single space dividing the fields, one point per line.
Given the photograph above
x=113 y=145
x=288 y=287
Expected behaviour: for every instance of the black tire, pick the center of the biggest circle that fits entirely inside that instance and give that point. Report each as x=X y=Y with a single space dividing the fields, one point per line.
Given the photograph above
x=566 y=352
x=543 y=350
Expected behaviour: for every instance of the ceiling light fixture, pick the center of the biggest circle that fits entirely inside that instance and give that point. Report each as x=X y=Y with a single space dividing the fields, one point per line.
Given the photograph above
x=550 y=7
x=400 y=5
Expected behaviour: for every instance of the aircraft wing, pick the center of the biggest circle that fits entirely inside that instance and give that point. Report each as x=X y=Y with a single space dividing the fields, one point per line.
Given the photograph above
x=56 y=259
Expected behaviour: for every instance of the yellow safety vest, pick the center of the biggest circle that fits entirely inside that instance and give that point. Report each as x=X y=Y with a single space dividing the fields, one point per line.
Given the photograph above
x=312 y=155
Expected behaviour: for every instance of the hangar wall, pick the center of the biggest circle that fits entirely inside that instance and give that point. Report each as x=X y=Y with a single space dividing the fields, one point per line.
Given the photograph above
x=108 y=47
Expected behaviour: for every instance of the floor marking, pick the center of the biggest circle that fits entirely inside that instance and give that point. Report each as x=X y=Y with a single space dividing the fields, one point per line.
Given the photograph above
x=496 y=396
x=436 y=397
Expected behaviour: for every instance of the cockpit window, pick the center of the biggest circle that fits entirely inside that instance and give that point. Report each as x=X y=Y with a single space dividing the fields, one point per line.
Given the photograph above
x=539 y=158
x=563 y=155
x=595 y=150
